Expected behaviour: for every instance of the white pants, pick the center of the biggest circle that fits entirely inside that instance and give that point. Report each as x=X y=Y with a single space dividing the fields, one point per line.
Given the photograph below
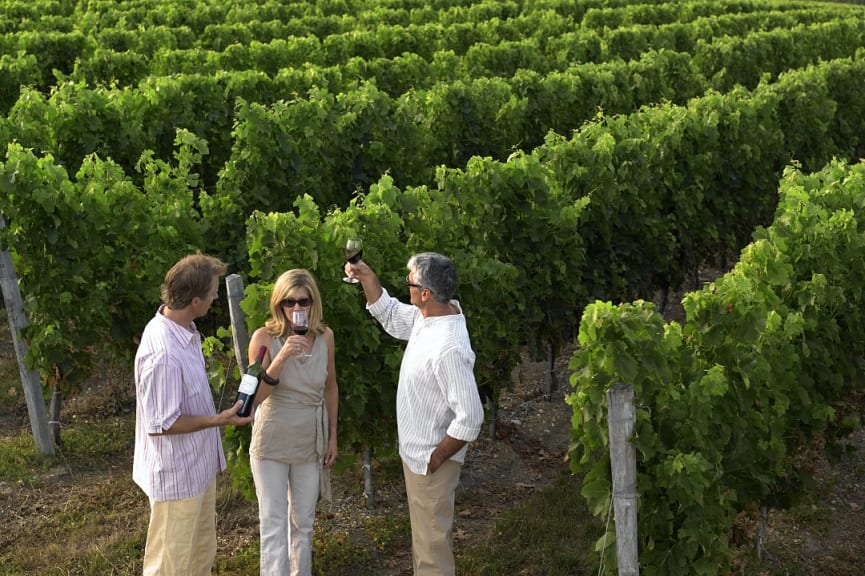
x=287 y=496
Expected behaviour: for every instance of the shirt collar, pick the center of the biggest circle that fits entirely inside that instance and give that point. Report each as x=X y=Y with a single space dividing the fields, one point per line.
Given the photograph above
x=176 y=330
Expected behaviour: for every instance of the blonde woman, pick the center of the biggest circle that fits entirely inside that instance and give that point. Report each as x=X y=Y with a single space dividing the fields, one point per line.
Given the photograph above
x=294 y=441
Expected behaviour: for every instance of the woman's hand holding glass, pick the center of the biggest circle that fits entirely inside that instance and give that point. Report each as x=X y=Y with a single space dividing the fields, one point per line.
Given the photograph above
x=294 y=346
x=297 y=344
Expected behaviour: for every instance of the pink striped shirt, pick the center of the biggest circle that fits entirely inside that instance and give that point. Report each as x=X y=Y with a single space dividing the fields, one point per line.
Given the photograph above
x=170 y=380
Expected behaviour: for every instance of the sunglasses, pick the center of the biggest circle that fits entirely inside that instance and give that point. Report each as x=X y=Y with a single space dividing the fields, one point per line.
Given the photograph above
x=411 y=284
x=290 y=302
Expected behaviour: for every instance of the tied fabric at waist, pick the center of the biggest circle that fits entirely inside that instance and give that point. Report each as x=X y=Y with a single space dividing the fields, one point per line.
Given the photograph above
x=321 y=421
x=321 y=426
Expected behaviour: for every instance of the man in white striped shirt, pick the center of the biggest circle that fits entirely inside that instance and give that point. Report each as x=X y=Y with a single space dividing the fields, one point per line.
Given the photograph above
x=178 y=447
x=438 y=407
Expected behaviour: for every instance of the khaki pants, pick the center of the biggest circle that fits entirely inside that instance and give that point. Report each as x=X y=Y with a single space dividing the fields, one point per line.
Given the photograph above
x=181 y=537
x=431 y=510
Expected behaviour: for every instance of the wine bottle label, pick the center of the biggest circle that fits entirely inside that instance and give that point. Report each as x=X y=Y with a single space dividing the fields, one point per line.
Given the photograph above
x=248 y=384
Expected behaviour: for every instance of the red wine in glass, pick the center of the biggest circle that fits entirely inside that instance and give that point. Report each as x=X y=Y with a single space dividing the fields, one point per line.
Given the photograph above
x=300 y=326
x=353 y=254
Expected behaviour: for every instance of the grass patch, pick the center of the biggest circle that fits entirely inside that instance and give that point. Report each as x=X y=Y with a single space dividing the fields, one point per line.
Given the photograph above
x=239 y=563
x=346 y=553
x=86 y=442
x=338 y=554
x=550 y=534
x=818 y=518
x=388 y=533
x=19 y=460
x=10 y=382
x=84 y=524
x=76 y=513
x=84 y=446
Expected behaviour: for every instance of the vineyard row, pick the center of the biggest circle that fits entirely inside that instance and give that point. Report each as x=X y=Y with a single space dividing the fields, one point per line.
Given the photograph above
x=765 y=369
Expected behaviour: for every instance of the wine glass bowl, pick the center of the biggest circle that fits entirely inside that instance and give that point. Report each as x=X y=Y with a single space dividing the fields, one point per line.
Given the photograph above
x=353 y=253
x=300 y=326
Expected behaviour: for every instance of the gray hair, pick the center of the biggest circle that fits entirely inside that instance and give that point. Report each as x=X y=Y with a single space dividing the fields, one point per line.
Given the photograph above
x=435 y=272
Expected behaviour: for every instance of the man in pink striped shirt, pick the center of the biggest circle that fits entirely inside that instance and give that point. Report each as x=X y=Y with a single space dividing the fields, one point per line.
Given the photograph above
x=178 y=446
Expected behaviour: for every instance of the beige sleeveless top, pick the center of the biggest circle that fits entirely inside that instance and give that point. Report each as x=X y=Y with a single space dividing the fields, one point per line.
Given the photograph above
x=291 y=424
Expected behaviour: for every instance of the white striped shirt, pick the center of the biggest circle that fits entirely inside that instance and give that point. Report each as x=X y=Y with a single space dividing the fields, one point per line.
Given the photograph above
x=437 y=393
x=171 y=380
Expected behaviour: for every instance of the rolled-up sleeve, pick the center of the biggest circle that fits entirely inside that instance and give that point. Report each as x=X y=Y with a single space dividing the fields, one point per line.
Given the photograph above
x=458 y=382
x=161 y=387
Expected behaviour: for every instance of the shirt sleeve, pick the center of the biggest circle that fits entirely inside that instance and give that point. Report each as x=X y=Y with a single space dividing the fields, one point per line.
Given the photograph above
x=397 y=318
x=457 y=380
x=161 y=395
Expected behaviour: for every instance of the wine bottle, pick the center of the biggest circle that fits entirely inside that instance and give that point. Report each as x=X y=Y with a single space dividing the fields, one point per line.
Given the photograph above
x=249 y=384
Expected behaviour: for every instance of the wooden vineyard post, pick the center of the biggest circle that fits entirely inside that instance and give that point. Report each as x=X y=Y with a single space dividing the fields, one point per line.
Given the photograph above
x=623 y=461
x=239 y=335
x=550 y=380
x=42 y=437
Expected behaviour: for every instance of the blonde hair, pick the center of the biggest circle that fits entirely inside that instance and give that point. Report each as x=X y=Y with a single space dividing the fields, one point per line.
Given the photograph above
x=279 y=324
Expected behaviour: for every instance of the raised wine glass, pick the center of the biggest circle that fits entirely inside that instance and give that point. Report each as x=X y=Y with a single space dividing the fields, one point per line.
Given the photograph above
x=300 y=326
x=353 y=254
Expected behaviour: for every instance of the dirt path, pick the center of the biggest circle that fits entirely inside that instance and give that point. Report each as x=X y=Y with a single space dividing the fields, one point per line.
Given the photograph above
x=825 y=533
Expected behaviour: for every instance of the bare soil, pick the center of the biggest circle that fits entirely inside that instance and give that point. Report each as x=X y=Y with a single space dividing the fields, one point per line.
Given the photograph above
x=825 y=534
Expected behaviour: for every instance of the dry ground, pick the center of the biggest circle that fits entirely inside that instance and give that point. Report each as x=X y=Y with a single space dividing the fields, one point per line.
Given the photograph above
x=825 y=535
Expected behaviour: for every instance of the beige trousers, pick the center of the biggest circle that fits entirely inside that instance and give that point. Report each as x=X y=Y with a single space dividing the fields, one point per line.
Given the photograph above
x=181 y=537
x=431 y=510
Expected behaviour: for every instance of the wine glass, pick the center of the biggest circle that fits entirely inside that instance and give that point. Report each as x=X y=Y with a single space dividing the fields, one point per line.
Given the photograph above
x=300 y=326
x=353 y=254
